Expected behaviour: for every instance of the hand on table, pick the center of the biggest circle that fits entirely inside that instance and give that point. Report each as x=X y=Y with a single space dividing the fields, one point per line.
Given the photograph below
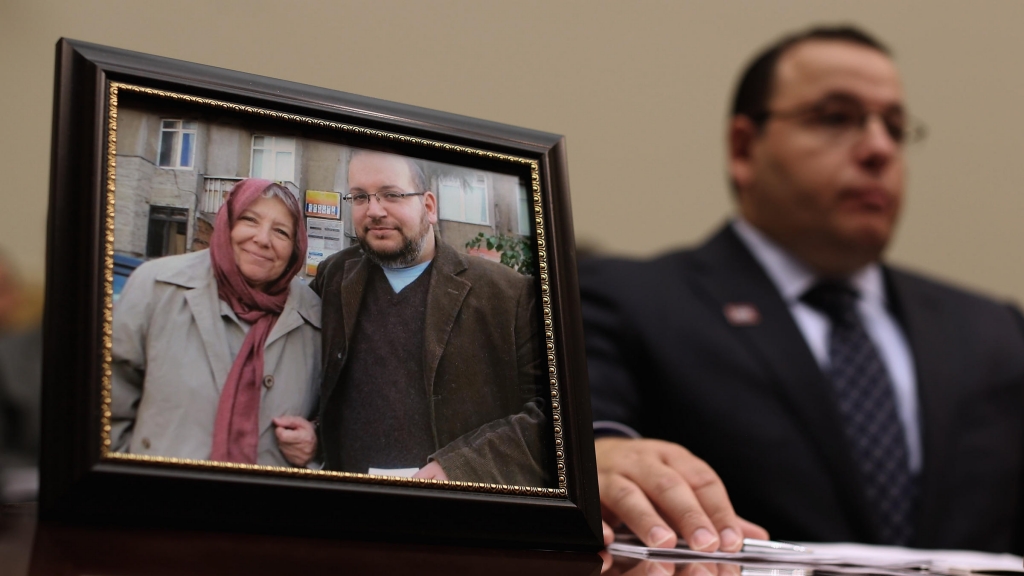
x=659 y=489
x=296 y=437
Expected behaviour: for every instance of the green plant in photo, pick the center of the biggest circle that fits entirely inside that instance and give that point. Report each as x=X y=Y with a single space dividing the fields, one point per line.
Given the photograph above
x=515 y=251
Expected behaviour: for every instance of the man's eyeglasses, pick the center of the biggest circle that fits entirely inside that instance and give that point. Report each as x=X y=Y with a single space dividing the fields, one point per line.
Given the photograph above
x=362 y=198
x=842 y=117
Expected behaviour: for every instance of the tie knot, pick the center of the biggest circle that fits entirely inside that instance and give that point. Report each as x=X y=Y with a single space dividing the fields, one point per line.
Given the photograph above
x=838 y=300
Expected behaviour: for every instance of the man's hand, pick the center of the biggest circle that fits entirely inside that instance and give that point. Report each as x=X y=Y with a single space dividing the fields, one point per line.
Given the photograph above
x=432 y=471
x=296 y=438
x=639 y=479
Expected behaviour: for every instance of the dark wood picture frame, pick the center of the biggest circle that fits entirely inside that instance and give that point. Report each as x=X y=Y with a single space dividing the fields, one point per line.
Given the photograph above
x=82 y=483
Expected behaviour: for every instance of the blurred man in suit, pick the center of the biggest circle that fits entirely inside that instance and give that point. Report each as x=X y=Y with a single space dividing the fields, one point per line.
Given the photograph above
x=21 y=352
x=817 y=391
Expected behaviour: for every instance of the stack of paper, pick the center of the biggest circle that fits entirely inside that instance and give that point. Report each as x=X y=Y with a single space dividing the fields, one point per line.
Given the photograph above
x=842 y=558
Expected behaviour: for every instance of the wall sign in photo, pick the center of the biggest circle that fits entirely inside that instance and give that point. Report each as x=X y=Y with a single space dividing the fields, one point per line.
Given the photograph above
x=339 y=306
x=323 y=204
x=326 y=237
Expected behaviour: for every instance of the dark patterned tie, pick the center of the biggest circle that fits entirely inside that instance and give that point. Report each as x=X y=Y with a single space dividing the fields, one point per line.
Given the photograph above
x=867 y=404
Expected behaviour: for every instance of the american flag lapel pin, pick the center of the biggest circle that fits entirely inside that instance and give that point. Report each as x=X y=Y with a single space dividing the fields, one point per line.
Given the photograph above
x=742 y=314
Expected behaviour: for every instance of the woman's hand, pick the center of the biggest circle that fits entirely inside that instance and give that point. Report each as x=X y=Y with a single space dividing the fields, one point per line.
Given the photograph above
x=296 y=437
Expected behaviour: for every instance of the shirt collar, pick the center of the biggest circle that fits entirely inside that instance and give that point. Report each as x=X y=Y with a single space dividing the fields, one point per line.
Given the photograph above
x=792 y=277
x=399 y=278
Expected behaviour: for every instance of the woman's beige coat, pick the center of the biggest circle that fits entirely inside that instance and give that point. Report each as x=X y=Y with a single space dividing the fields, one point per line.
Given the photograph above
x=172 y=355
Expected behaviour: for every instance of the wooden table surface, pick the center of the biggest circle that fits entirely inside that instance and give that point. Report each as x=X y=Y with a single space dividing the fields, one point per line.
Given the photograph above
x=31 y=548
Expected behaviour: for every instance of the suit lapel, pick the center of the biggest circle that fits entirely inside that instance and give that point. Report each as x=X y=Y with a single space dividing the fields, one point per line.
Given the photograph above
x=729 y=274
x=353 y=283
x=356 y=272
x=937 y=383
x=205 y=307
x=444 y=299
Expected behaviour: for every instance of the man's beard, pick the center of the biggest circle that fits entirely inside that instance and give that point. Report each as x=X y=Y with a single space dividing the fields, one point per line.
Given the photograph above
x=407 y=253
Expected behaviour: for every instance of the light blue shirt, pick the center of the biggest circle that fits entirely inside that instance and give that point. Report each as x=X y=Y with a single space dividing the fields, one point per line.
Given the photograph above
x=399 y=278
x=793 y=278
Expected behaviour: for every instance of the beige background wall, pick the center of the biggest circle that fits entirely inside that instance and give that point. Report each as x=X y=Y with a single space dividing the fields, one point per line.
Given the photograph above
x=639 y=89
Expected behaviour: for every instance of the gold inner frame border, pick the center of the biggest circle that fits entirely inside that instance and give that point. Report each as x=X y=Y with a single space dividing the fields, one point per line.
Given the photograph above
x=108 y=295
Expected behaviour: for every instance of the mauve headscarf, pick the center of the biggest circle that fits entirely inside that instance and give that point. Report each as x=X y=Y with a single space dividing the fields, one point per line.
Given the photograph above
x=236 y=429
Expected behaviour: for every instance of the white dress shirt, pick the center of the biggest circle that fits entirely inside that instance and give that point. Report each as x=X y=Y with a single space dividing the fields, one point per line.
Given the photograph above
x=793 y=278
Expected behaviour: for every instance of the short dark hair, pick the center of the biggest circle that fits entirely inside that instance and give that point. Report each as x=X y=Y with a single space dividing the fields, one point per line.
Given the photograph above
x=756 y=84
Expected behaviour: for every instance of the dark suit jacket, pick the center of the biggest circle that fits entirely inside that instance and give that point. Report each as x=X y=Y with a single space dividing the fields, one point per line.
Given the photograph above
x=482 y=365
x=21 y=368
x=753 y=403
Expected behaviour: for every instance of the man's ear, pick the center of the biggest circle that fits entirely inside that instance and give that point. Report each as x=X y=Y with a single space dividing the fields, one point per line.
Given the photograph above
x=741 y=138
x=430 y=203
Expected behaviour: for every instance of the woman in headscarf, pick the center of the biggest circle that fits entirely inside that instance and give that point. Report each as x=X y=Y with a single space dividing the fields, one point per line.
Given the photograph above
x=216 y=353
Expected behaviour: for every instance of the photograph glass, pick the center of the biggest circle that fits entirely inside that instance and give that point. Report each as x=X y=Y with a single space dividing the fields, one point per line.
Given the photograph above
x=295 y=296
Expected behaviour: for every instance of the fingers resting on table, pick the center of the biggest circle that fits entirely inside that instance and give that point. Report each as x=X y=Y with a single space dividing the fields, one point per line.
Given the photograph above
x=660 y=490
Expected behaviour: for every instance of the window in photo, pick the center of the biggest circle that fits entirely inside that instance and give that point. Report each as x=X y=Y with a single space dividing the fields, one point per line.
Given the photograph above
x=168 y=231
x=525 y=212
x=177 y=144
x=273 y=158
x=464 y=199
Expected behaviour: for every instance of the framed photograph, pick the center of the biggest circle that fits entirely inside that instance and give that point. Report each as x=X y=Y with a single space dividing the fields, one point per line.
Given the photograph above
x=278 y=308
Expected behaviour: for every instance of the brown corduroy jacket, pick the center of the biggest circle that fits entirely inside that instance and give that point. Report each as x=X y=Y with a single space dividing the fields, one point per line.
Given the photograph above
x=483 y=367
